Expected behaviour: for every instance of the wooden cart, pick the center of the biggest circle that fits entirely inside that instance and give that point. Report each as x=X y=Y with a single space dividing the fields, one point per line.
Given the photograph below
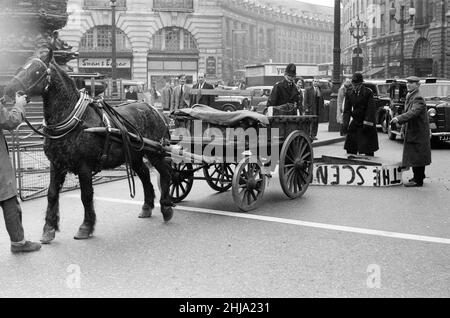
x=245 y=173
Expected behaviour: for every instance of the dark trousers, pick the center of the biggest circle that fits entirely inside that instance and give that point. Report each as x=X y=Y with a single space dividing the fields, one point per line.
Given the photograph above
x=13 y=219
x=419 y=174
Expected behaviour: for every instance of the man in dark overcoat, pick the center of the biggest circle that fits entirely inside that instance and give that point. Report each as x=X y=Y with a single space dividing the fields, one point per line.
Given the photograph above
x=12 y=212
x=207 y=100
x=359 y=119
x=285 y=97
x=417 y=143
x=314 y=104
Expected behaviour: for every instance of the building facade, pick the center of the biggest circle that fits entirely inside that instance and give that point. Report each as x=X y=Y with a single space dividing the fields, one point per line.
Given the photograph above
x=426 y=37
x=156 y=40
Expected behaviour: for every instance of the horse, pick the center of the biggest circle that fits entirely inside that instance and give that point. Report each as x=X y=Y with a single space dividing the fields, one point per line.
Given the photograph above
x=82 y=153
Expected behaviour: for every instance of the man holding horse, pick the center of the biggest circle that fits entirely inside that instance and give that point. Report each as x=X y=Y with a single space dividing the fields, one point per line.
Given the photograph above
x=8 y=191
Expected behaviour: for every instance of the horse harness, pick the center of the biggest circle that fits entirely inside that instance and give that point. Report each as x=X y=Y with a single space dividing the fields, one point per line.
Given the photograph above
x=110 y=118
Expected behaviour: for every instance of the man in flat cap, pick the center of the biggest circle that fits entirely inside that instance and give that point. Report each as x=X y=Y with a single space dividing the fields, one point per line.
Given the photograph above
x=417 y=143
x=359 y=119
x=285 y=97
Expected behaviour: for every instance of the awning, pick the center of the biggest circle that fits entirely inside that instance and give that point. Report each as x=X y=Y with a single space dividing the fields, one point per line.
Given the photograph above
x=373 y=71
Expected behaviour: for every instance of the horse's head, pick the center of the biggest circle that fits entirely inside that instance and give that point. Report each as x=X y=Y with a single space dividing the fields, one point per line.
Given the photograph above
x=33 y=78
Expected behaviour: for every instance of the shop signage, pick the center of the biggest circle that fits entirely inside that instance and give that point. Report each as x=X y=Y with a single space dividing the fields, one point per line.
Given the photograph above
x=211 y=66
x=103 y=62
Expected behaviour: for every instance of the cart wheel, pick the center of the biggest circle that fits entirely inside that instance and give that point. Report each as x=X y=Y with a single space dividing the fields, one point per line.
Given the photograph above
x=249 y=183
x=296 y=164
x=219 y=176
x=182 y=181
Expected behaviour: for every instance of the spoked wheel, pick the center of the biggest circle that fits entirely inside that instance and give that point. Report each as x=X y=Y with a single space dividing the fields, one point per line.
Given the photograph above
x=249 y=183
x=219 y=176
x=296 y=164
x=182 y=181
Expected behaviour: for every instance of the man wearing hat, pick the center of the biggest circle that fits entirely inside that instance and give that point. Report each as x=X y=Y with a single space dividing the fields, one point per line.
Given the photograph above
x=359 y=119
x=417 y=143
x=285 y=97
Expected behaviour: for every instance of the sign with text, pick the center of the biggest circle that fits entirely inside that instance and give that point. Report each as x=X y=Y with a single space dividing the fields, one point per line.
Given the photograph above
x=211 y=66
x=357 y=175
x=100 y=62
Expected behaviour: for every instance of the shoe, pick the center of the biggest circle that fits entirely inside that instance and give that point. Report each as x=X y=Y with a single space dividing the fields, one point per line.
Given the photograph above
x=413 y=184
x=26 y=248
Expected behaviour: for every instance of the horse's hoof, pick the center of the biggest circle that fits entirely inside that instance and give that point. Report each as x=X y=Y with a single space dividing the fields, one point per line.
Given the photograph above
x=167 y=213
x=84 y=233
x=145 y=214
x=48 y=236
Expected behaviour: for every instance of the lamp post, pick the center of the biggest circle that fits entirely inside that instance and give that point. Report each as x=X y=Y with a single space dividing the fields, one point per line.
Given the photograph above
x=113 y=44
x=361 y=31
x=333 y=125
x=402 y=21
x=233 y=32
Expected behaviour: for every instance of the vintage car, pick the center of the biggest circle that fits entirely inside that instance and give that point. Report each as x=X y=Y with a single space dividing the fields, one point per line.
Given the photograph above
x=260 y=95
x=231 y=103
x=381 y=95
x=437 y=97
x=94 y=83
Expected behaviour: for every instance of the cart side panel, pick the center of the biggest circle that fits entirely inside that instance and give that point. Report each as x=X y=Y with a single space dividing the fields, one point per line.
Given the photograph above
x=289 y=124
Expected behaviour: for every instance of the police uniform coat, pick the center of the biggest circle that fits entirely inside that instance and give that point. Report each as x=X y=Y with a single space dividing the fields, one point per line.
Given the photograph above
x=359 y=119
x=283 y=93
x=8 y=121
x=417 y=143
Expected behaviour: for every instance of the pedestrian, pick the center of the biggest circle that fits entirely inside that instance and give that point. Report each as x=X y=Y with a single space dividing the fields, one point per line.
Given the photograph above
x=199 y=98
x=359 y=119
x=285 y=98
x=301 y=89
x=417 y=142
x=314 y=103
x=346 y=86
x=181 y=95
x=166 y=96
x=12 y=211
x=131 y=94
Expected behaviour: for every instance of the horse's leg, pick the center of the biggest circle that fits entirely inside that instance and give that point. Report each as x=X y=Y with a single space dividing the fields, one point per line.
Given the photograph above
x=57 y=178
x=164 y=169
x=149 y=193
x=87 y=197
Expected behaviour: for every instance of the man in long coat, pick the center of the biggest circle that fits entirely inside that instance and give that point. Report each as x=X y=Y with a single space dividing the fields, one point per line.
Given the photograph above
x=8 y=191
x=207 y=100
x=359 y=119
x=314 y=104
x=417 y=143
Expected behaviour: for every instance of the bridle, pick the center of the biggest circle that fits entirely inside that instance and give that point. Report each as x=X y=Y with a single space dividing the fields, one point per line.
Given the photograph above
x=46 y=74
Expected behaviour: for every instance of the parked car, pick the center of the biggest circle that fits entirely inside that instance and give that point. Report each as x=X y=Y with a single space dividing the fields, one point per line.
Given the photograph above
x=260 y=95
x=325 y=86
x=231 y=103
x=94 y=83
x=437 y=97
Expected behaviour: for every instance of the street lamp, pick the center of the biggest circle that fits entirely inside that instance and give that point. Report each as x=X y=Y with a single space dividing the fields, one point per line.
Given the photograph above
x=233 y=32
x=333 y=125
x=113 y=44
x=361 y=31
x=402 y=21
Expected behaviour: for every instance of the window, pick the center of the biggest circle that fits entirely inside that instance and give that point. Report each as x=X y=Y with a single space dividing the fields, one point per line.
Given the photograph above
x=173 y=39
x=99 y=39
x=173 y=5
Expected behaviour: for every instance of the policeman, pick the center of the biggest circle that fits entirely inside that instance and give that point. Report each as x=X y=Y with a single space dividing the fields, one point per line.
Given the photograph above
x=285 y=97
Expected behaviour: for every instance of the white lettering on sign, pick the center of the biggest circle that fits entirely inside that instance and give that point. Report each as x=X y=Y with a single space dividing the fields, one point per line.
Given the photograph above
x=354 y=175
x=302 y=70
x=103 y=63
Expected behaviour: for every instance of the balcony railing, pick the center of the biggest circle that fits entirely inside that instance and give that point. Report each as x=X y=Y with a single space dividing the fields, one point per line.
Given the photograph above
x=173 y=5
x=104 y=4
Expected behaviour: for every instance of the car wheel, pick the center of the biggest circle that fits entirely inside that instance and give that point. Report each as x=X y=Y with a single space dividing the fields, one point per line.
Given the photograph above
x=229 y=108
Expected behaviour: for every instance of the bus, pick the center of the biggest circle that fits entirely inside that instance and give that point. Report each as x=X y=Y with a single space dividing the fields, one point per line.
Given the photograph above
x=268 y=74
